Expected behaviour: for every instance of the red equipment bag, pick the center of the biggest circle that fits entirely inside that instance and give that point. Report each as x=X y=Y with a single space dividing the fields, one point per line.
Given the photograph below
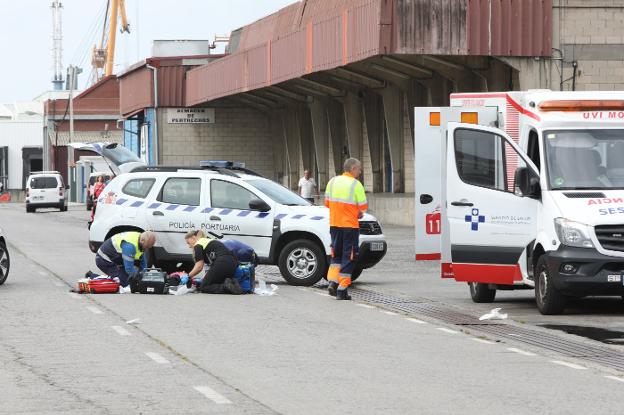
x=98 y=286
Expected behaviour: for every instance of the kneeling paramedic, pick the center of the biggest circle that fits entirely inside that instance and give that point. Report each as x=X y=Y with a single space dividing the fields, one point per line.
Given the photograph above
x=219 y=278
x=117 y=255
x=347 y=203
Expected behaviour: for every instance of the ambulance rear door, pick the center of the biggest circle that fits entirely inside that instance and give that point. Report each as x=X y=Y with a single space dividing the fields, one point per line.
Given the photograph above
x=488 y=222
x=429 y=128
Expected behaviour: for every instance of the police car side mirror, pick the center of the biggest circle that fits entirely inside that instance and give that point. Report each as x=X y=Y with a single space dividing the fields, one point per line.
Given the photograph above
x=526 y=183
x=259 y=205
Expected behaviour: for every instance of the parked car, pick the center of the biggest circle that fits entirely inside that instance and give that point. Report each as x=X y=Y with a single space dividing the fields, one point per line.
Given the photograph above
x=228 y=201
x=92 y=179
x=5 y=260
x=45 y=190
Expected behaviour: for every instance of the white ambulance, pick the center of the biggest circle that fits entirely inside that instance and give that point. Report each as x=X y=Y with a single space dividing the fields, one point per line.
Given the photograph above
x=530 y=195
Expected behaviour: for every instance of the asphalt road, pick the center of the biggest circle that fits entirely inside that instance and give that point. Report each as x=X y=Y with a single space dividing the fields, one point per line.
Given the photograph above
x=299 y=352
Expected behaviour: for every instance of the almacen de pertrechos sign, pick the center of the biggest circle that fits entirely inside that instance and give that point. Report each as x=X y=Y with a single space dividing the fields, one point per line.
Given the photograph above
x=190 y=115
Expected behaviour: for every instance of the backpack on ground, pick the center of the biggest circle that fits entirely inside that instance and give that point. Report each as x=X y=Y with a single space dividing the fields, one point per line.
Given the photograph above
x=98 y=285
x=246 y=276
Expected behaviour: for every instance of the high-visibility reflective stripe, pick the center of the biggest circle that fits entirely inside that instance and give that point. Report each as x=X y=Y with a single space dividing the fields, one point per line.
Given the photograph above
x=127 y=258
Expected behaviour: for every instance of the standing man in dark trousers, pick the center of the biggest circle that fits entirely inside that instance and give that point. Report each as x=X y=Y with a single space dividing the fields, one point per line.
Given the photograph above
x=346 y=201
x=117 y=256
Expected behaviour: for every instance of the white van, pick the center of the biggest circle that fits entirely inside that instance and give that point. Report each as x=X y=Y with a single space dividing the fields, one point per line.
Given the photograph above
x=46 y=190
x=531 y=193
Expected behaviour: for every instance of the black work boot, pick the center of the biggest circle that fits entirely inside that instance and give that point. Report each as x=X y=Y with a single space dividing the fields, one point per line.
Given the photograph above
x=331 y=289
x=342 y=295
x=232 y=286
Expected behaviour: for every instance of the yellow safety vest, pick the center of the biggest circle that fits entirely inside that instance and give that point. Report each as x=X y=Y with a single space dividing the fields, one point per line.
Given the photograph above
x=345 y=198
x=131 y=238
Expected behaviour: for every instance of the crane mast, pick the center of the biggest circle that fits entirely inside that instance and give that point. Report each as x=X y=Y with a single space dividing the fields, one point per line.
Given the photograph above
x=104 y=56
x=57 y=45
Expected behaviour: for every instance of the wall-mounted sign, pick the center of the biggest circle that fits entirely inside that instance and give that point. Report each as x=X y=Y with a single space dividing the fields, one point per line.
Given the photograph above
x=190 y=115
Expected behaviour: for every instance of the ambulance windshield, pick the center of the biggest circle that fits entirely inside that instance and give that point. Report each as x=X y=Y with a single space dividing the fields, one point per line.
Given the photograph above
x=585 y=159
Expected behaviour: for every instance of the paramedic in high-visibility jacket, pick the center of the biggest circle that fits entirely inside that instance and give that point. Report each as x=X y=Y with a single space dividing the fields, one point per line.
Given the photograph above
x=346 y=200
x=117 y=255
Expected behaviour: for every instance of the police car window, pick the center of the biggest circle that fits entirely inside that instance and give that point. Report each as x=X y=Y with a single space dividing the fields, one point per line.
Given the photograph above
x=181 y=191
x=43 y=183
x=486 y=160
x=230 y=195
x=138 y=187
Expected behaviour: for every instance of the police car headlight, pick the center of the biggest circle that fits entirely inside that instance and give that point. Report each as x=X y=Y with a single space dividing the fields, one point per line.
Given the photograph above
x=573 y=233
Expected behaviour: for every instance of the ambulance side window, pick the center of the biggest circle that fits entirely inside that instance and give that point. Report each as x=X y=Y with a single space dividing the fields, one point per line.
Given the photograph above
x=485 y=159
x=533 y=149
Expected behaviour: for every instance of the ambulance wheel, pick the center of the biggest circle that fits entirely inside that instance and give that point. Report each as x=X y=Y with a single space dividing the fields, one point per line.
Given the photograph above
x=5 y=262
x=549 y=300
x=481 y=293
x=302 y=262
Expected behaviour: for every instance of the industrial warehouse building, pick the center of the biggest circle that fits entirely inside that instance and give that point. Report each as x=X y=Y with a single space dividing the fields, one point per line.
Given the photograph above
x=320 y=81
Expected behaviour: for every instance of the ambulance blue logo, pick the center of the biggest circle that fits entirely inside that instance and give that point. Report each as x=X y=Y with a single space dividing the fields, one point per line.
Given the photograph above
x=475 y=219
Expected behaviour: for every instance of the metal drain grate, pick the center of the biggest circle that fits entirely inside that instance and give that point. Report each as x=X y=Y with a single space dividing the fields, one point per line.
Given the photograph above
x=425 y=307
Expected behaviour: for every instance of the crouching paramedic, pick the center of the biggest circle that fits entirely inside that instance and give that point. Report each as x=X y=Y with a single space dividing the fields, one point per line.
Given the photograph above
x=346 y=201
x=219 y=278
x=118 y=254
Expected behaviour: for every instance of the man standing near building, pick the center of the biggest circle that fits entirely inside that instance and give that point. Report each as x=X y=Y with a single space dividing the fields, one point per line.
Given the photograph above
x=346 y=201
x=307 y=187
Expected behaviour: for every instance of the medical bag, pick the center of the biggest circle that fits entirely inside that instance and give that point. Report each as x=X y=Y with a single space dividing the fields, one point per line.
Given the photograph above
x=99 y=285
x=150 y=281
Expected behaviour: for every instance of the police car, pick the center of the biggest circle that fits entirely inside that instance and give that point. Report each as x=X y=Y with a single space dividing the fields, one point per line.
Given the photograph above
x=227 y=200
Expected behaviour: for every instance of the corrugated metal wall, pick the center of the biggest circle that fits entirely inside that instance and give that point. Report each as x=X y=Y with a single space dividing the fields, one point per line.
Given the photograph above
x=17 y=135
x=305 y=37
x=318 y=35
x=133 y=95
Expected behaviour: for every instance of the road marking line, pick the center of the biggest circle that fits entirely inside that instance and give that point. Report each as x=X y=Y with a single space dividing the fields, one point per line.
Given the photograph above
x=302 y=289
x=157 y=358
x=415 y=320
x=45 y=274
x=390 y=313
x=321 y=294
x=121 y=331
x=364 y=305
x=482 y=340
x=213 y=395
x=615 y=378
x=59 y=284
x=519 y=351
x=95 y=310
x=74 y=295
x=567 y=364
x=449 y=331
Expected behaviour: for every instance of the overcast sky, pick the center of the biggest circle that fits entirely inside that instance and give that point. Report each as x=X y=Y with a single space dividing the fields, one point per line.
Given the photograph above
x=26 y=28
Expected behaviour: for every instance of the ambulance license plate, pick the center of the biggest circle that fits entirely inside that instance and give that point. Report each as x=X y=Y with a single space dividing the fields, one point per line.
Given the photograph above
x=377 y=246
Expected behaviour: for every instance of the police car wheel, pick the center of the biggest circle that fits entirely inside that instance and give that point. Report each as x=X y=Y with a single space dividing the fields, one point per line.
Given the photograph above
x=356 y=274
x=302 y=262
x=5 y=262
x=481 y=293
x=549 y=300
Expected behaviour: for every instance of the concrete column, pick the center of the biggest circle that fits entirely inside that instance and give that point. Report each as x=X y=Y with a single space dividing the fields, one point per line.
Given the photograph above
x=320 y=137
x=354 y=119
x=373 y=115
x=392 y=98
x=292 y=134
x=279 y=144
x=338 y=133
x=307 y=142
